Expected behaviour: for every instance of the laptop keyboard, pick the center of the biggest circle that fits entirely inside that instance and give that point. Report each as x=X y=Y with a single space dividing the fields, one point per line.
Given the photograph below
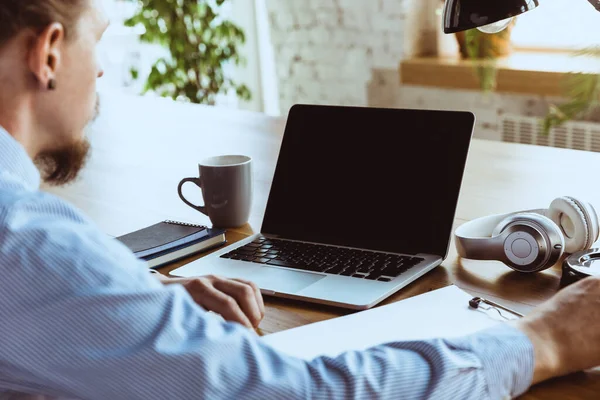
x=360 y=264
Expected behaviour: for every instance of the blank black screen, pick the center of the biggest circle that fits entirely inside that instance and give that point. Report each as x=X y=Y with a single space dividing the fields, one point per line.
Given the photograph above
x=373 y=178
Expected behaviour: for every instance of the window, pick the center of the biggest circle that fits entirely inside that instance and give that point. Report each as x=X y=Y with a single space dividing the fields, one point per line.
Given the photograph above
x=558 y=25
x=120 y=50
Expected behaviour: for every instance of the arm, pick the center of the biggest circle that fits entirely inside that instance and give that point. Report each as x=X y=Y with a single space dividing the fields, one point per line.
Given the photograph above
x=156 y=343
x=565 y=331
x=81 y=317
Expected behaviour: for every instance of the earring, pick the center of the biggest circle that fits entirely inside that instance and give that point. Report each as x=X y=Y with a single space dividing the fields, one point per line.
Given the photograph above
x=51 y=84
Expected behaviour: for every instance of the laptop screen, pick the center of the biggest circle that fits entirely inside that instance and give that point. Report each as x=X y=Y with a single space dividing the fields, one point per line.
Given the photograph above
x=371 y=178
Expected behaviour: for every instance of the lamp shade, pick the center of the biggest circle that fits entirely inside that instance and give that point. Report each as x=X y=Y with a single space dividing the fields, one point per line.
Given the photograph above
x=460 y=15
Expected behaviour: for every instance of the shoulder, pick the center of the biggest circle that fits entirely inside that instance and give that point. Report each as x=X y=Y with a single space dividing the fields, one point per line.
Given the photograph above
x=43 y=235
x=22 y=209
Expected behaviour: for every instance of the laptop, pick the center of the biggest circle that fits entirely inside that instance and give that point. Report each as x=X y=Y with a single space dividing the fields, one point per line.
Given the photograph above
x=362 y=204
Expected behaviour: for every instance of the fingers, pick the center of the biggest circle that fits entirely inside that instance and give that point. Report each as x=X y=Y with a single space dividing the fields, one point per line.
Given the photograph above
x=258 y=295
x=215 y=300
x=245 y=294
x=235 y=300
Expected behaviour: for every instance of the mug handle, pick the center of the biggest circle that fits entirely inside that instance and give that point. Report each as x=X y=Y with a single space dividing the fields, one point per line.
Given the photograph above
x=195 y=181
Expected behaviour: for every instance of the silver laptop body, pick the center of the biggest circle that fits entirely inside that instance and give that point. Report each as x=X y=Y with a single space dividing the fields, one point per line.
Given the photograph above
x=361 y=205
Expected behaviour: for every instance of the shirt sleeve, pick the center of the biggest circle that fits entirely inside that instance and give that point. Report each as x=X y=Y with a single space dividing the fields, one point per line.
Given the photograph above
x=82 y=318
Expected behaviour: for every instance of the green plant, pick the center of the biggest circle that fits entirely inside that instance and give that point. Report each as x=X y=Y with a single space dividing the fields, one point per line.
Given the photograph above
x=201 y=44
x=480 y=50
x=484 y=50
x=583 y=94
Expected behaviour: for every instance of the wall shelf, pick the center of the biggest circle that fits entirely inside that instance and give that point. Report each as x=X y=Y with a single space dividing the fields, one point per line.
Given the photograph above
x=526 y=73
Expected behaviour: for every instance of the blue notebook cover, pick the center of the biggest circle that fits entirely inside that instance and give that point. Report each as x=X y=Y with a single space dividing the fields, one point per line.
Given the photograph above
x=163 y=237
x=211 y=234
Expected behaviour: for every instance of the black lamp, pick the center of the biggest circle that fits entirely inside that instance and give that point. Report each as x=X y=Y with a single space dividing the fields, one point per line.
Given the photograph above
x=460 y=15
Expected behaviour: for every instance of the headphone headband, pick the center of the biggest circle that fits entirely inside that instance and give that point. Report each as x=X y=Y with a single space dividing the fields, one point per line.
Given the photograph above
x=473 y=237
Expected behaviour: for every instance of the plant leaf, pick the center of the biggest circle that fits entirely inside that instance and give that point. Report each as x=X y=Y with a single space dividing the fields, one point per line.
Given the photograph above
x=200 y=43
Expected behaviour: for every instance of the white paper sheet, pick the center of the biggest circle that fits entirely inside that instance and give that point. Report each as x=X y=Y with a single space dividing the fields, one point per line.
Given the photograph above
x=440 y=313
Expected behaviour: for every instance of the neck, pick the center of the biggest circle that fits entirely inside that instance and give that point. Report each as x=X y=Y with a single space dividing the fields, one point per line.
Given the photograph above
x=17 y=122
x=16 y=100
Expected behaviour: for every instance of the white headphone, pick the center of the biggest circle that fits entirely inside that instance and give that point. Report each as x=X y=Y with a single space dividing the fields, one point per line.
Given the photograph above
x=531 y=240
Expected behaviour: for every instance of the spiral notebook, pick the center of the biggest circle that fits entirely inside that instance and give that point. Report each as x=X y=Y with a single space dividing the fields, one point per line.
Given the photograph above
x=168 y=241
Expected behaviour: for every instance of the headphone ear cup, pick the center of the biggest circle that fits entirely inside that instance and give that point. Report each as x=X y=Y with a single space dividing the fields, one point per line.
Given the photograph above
x=532 y=241
x=594 y=222
x=577 y=221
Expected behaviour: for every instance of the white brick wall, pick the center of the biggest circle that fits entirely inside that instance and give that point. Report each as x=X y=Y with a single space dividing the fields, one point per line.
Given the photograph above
x=348 y=52
x=488 y=108
x=326 y=50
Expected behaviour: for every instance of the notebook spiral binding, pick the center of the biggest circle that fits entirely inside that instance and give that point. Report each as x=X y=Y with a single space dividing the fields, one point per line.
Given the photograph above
x=183 y=224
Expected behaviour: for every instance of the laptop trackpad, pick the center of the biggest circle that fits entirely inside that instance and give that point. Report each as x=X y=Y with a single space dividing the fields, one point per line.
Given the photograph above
x=283 y=281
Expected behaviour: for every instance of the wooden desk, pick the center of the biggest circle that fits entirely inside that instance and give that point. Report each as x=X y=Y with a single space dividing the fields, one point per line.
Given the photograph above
x=142 y=148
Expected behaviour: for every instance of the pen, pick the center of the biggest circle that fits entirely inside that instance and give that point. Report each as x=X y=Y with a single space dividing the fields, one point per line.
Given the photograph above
x=476 y=301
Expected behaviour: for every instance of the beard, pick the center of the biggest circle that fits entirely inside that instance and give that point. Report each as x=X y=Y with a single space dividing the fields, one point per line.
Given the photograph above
x=62 y=165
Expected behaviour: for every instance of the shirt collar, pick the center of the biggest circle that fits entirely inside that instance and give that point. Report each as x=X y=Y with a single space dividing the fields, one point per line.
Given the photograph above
x=15 y=161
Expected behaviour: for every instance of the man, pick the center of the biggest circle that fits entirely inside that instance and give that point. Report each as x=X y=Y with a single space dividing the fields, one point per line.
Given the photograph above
x=81 y=318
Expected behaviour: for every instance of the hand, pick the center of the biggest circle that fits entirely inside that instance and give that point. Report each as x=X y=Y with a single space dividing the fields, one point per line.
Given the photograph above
x=565 y=331
x=235 y=300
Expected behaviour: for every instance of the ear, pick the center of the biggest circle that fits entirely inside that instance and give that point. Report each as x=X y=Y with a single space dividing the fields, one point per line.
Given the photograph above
x=45 y=54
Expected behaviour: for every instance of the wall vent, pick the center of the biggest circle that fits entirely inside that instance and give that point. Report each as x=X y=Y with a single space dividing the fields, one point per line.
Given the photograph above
x=571 y=135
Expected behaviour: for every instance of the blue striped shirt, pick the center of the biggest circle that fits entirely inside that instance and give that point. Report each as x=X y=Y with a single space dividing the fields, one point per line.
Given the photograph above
x=81 y=318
